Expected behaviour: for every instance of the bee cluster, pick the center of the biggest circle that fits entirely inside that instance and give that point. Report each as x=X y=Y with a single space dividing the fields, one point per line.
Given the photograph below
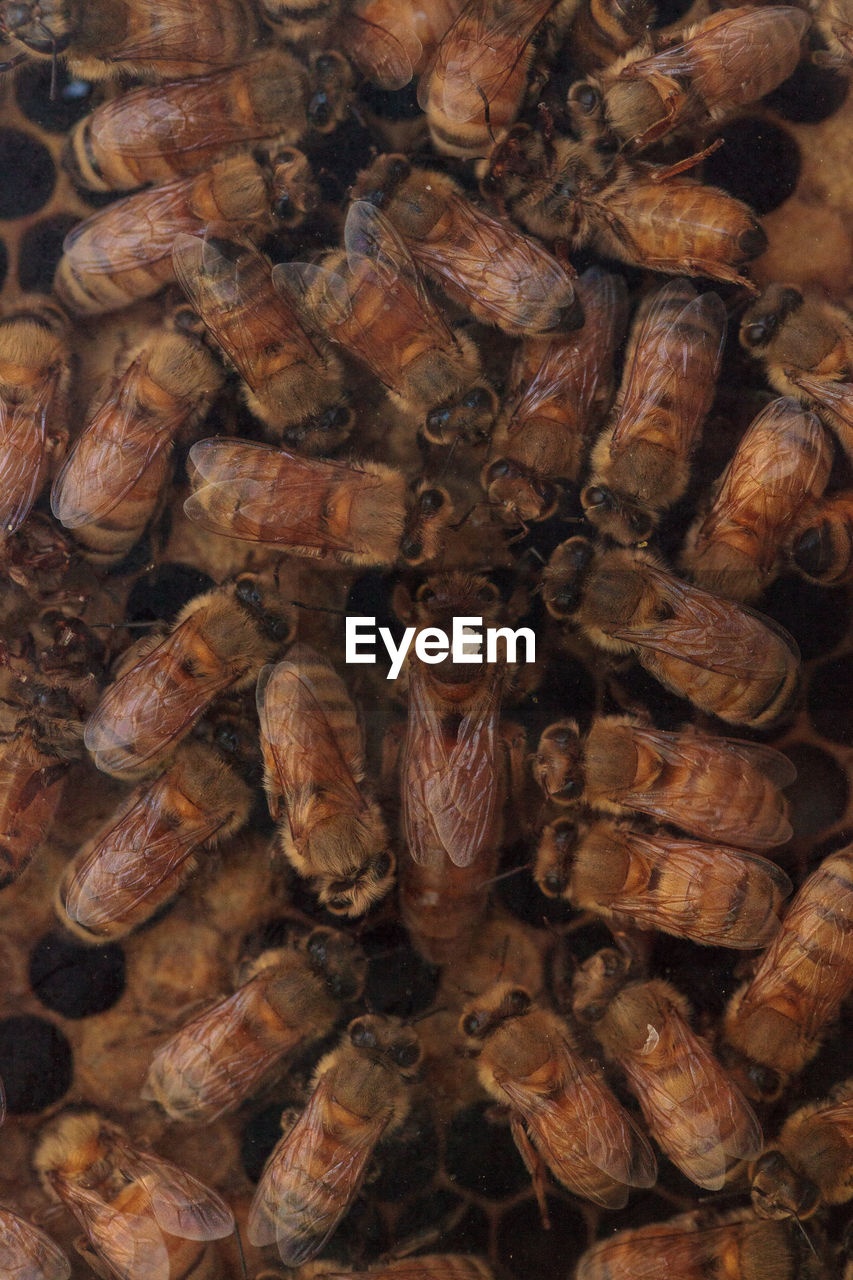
x=423 y=314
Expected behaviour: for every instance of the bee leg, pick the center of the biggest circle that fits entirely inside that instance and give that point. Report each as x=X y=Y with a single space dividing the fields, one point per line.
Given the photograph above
x=534 y=1164
x=689 y=162
x=670 y=94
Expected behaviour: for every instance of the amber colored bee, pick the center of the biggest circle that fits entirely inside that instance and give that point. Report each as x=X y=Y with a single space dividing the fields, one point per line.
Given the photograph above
x=806 y=345
x=562 y=1114
x=640 y=464
x=143 y=1216
x=34 y=378
x=833 y=20
x=779 y=1017
x=220 y=641
x=26 y=1253
x=38 y=559
x=428 y=1266
x=313 y=749
x=331 y=511
x=727 y=660
x=638 y=213
x=430 y=512
x=287 y=998
x=559 y=389
x=695 y=1113
x=811 y=1162
x=709 y=893
x=820 y=544
x=390 y=41
x=302 y=22
x=719 y=789
x=604 y=30
x=360 y=1095
x=485 y=265
x=124 y=252
x=781 y=464
x=156 y=133
x=704 y=75
x=291 y=384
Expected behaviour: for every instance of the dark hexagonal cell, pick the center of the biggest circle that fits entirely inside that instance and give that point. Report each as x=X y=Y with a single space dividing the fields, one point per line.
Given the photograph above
x=36 y=1063
x=817 y=617
x=829 y=701
x=443 y=1216
x=528 y=1251
x=258 y=1136
x=30 y=174
x=810 y=95
x=481 y=1155
x=407 y=1162
x=762 y=186
x=161 y=594
x=398 y=980
x=818 y=798
x=40 y=251
x=519 y=892
x=73 y=979
x=55 y=112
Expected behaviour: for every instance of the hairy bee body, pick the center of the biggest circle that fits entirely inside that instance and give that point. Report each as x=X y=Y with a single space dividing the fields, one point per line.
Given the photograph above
x=820 y=543
x=603 y=30
x=811 y=1162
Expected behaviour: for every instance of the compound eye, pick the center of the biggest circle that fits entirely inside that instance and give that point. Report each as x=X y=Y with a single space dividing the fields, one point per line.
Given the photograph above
x=339 y=905
x=498 y=470
x=247 y=591
x=362 y=1035
x=756 y=335
x=553 y=884
x=406 y=1055
x=594 y=1012
x=316 y=946
x=472 y=1025
x=596 y=496
x=411 y=549
x=488 y=593
x=319 y=110
x=518 y=1002
x=430 y=501
x=424 y=594
x=587 y=97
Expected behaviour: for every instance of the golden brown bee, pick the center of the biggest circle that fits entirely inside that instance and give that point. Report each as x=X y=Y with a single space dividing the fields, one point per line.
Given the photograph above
x=563 y=1115
x=779 y=1017
x=488 y=267
x=603 y=30
x=781 y=463
x=38 y=559
x=833 y=20
x=26 y=1253
x=34 y=378
x=390 y=41
x=220 y=641
x=807 y=348
x=313 y=749
x=360 y=1095
x=291 y=384
x=158 y=39
x=811 y=1162
x=560 y=387
x=700 y=77
x=124 y=874
x=302 y=22
x=330 y=511
x=428 y=1266
x=638 y=213
x=156 y=133
x=287 y=998
x=727 y=660
x=718 y=789
x=124 y=252
x=695 y=1113
x=640 y=464
x=430 y=512
x=143 y=1216
x=709 y=893
x=820 y=544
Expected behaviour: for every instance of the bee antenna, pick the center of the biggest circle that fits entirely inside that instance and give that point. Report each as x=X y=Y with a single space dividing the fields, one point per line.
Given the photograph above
x=13 y=62
x=422 y=1017
x=505 y=875
x=805 y=1235
x=239 y=1240
x=504 y=955
x=319 y=608
x=487 y=115
x=122 y=626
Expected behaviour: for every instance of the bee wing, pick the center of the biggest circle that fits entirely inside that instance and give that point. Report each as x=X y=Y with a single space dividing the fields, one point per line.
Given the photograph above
x=131 y=1243
x=167 y=28
x=26 y=1253
x=141 y=120
x=182 y=1206
x=109 y=241
x=23 y=442
x=388 y=58
x=837 y=397
x=672 y=1251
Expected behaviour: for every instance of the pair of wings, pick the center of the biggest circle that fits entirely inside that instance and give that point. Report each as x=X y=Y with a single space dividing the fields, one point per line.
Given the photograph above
x=133 y=232
x=388 y=53
x=166 y=32
x=26 y=1253
x=680 y=1248
x=23 y=445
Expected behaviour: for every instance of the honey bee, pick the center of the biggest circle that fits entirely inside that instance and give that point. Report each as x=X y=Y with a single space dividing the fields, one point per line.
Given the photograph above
x=143 y=1216
x=34 y=378
x=430 y=513
x=727 y=660
x=291 y=384
x=718 y=789
x=704 y=75
x=428 y=1266
x=781 y=463
x=806 y=345
x=604 y=30
x=833 y=21
x=820 y=544
x=560 y=388
x=360 y=1095
x=26 y=1253
x=287 y=998
x=485 y=265
x=562 y=1113
x=331 y=511
x=640 y=463
x=709 y=893
x=302 y=22
x=390 y=41
x=778 y=1018
x=811 y=1162
x=695 y=1113
x=220 y=641
x=124 y=252
x=638 y=213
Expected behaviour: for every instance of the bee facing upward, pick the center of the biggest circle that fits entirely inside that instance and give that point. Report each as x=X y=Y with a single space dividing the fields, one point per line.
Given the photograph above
x=811 y=1162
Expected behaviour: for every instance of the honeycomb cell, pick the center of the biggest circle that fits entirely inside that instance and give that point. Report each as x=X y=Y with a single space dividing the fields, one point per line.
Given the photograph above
x=810 y=95
x=407 y=1162
x=441 y=1211
x=36 y=1063
x=75 y=980
x=520 y=893
x=29 y=171
x=817 y=617
x=818 y=798
x=258 y=1136
x=829 y=701
x=397 y=104
x=40 y=251
x=58 y=111
x=481 y=1155
x=398 y=980
x=528 y=1251
x=162 y=593
x=764 y=187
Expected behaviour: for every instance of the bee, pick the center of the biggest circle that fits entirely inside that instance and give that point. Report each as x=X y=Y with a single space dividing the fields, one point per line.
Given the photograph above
x=811 y=1162
x=121 y=877
x=560 y=388
x=719 y=789
x=704 y=75
x=562 y=1114
x=806 y=345
x=115 y=477
x=302 y=22
x=391 y=41
x=313 y=749
x=820 y=544
x=220 y=641
x=330 y=511
x=288 y=997
x=638 y=213
x=427 y=1266
x=430 y=513
x=709 y=893
x=727 y=660
x=34 y=380
x=778 y=1018
x=781 y=463
x=160 y=132
x=38 y=559
x=695 y=1113
x=26 y=1253
x=640 y=463
x=604 y=30
x=360 y=1094
x=124 y=252
x=290 y=383
x=485 y=265
x=833 y=21
x=143 y=1216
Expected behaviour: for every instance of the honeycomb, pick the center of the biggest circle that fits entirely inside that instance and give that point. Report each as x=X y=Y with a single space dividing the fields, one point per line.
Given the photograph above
x=78 y=1023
